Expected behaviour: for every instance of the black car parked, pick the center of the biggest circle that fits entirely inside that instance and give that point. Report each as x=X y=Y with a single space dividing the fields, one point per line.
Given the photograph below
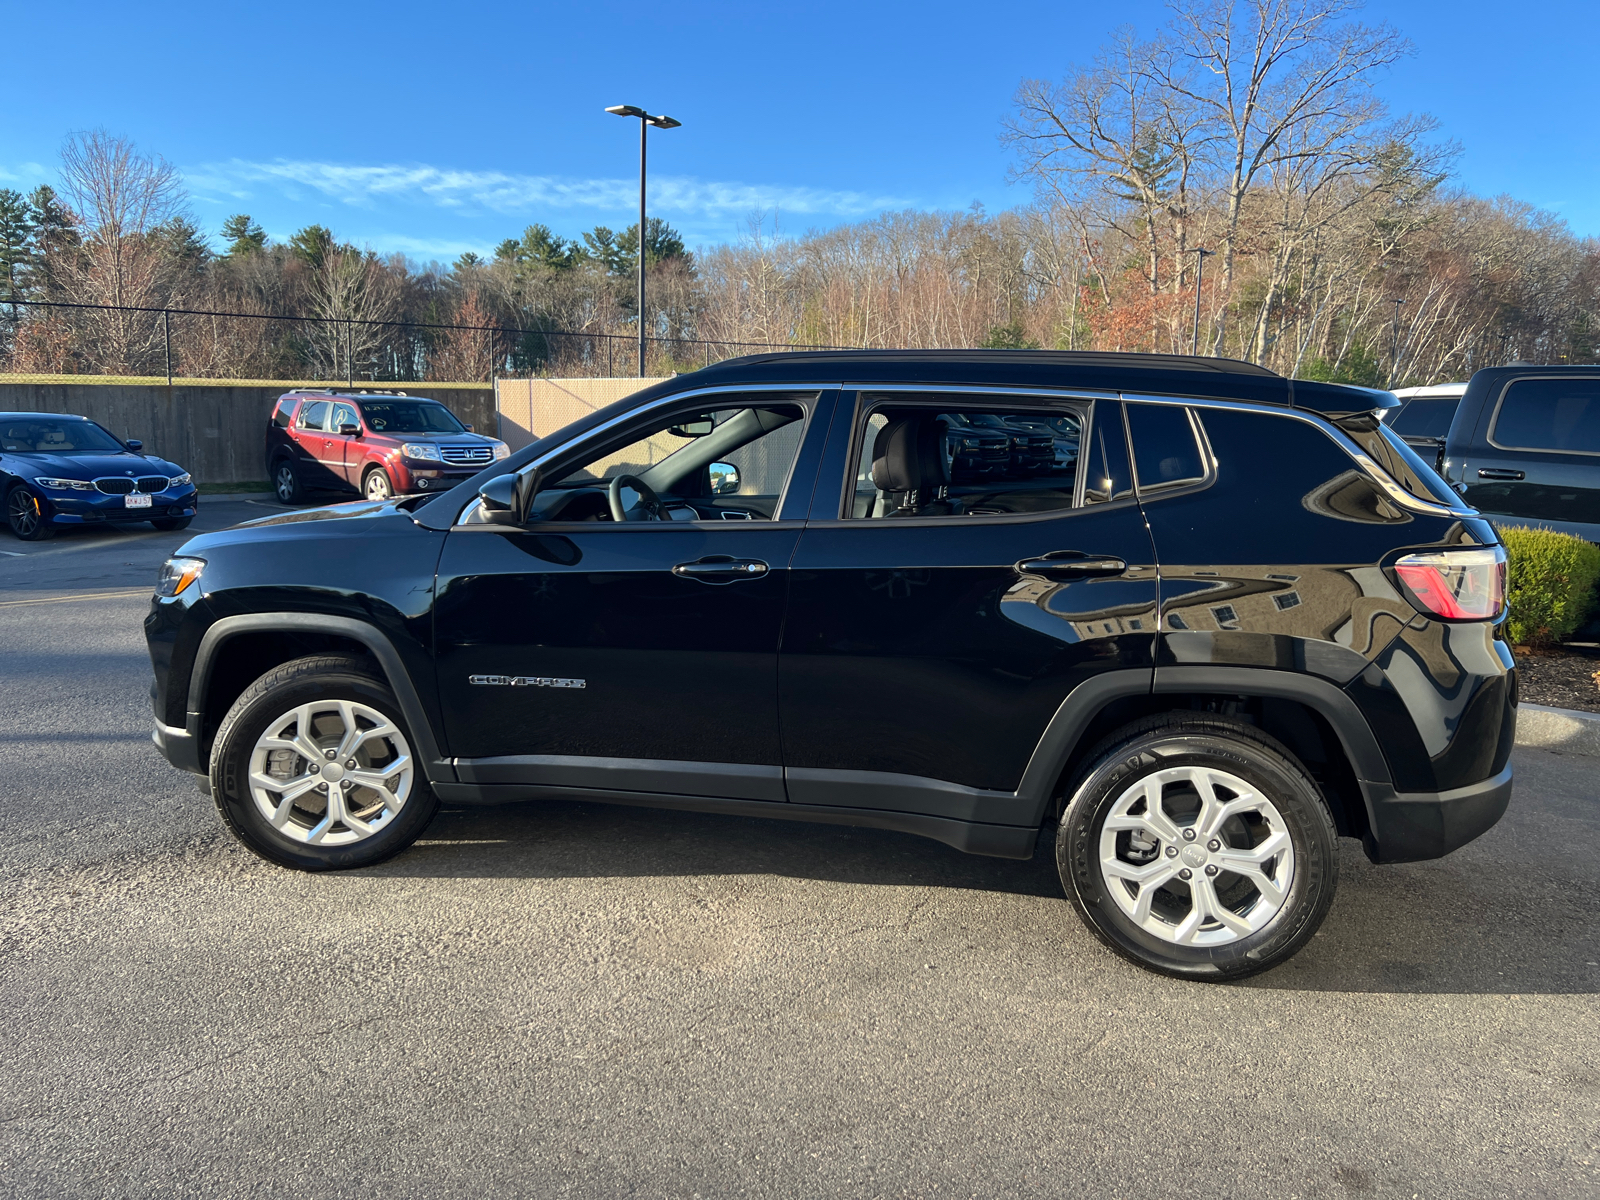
x=1524 y=447
x=60 y=471
x=1244 y=621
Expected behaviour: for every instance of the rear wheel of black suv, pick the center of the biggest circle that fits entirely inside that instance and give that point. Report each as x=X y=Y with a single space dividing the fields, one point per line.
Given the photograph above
x=314 y=768
x=1198 y=846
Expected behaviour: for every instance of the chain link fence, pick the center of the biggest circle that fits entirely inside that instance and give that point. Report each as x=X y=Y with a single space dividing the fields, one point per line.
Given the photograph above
x=39 y=337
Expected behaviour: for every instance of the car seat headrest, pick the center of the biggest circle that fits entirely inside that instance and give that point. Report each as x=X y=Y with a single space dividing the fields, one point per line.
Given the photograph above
x=908 y=455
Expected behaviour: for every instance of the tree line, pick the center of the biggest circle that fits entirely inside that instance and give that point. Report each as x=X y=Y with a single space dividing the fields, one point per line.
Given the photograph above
x=1229 y=184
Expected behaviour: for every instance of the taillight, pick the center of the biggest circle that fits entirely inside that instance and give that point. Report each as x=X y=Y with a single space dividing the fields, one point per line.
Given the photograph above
x=1458 y=585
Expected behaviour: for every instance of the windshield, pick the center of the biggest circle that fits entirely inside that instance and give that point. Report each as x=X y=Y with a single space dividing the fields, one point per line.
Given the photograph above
x=1401 y=462
x=42 y=435
x=409 y=416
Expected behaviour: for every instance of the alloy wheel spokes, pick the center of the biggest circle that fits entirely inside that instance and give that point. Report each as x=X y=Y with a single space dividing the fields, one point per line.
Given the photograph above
x=1196 y=856
x=331 y=772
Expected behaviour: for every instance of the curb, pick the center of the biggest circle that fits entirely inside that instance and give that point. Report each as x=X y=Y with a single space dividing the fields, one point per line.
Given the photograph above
x=1565 y=730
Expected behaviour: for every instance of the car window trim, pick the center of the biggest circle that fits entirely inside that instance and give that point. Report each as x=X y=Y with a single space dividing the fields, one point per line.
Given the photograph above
x=1494 y=417
x=1345 y=443
x=863 y=412
x=809 y=397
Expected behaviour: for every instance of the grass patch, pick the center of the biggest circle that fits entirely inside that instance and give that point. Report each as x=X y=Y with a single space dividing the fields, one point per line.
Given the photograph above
x=227 y=489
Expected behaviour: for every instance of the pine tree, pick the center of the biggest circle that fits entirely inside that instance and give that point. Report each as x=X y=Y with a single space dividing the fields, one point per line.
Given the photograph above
x=16 y=235
x=243 y=236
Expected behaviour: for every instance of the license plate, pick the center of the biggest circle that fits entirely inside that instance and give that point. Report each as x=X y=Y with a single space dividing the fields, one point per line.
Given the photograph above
x=136 y=500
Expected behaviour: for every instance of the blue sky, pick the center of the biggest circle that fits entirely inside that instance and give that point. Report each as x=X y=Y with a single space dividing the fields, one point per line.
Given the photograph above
x=437 y=128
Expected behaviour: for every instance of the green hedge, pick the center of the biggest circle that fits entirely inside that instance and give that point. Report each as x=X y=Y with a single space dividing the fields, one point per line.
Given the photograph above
x=1551 y=584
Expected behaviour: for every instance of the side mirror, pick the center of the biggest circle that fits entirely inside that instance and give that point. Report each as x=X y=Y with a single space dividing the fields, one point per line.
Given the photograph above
x=506 y=499
x=724 y=479
x=350 y=430
x=692 y=428
x=470 y=429
x=134 y=444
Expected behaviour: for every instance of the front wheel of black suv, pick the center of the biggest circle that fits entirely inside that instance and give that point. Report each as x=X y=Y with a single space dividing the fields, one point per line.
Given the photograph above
x=313 y=767
x=1198 y=846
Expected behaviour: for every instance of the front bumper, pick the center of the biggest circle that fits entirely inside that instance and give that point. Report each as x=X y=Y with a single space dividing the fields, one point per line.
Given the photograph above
x=90 y=508
x=180 y=747
x=1412 y=826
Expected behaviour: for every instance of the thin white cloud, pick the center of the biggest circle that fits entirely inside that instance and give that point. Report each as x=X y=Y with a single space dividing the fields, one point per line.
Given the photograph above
x=500 y=192
x=28 y=172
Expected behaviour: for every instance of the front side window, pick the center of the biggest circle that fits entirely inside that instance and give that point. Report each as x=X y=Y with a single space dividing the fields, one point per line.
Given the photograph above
x=956 y=459
x=703 y=465
x=1560 y=415
x=343 y=415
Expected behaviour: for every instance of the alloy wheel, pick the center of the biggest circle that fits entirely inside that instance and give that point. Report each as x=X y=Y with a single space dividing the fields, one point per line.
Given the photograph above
x=1196 y=856
x=22 y=511
x=331 y=773
x=378 y=486
x=285 y=483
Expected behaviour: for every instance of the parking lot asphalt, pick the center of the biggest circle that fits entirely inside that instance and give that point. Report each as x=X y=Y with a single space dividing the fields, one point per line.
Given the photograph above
x=579 y=1000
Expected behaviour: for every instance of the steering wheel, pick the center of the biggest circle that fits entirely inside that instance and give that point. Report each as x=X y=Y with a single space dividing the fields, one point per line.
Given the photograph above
x=649 y=503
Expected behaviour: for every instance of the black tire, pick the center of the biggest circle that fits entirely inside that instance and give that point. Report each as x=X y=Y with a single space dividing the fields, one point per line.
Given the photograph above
x=286 y=482
x=171 y=524
x=1191 y=740
x=315 y=679
x=377 y=481
x=26 y=514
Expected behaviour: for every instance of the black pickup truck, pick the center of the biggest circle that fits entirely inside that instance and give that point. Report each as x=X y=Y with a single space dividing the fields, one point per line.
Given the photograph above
x=1524 y=447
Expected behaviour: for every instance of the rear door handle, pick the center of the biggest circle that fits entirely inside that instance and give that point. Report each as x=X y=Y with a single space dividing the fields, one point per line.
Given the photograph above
x=1497 y=473
x=721 y=569
x=1072 y=565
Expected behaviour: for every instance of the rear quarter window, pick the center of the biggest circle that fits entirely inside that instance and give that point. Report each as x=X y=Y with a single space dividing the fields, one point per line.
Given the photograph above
x=283 y=415
x=1557 y=415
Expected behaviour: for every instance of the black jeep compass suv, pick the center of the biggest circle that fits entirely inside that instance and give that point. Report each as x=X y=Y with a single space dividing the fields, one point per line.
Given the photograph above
x=1242 y=621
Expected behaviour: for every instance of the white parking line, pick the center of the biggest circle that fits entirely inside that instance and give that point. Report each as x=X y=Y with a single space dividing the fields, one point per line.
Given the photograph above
x=13 y=554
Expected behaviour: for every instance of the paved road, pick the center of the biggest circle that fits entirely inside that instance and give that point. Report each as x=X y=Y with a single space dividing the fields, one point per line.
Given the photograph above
x=579 y=1000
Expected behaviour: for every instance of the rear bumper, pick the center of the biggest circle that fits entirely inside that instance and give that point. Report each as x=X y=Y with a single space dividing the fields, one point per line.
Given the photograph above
x=1412 y=826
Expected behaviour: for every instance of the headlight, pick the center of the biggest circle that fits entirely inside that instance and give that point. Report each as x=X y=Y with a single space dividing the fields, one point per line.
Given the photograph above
x=178 y=480
x=501 y=450
x=424 y=450
x=67 y=485
x=971 y=444
x=177 y=574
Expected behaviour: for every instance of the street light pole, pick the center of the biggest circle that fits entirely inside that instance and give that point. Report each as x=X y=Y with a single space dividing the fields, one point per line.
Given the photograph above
x=1200 y=257
x=645 y=121
x=1394 y=344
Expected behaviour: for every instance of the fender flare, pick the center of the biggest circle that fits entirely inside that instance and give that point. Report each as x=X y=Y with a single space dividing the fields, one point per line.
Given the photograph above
x=436 y=767
x=1084 y=703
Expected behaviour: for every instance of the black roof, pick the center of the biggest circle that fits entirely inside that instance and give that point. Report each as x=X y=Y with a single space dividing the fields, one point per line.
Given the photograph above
x=1152 y=374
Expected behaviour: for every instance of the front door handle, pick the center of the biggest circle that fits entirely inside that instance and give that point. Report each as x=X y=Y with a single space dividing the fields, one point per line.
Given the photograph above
x=1498 y=473
x=719 y=568
x=1072 y=565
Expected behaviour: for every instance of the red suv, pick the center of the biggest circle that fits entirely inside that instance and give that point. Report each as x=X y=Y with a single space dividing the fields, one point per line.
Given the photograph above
x=376 y=444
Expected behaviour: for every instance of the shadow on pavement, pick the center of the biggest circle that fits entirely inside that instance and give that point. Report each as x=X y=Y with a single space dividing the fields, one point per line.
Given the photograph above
x=1517 y=912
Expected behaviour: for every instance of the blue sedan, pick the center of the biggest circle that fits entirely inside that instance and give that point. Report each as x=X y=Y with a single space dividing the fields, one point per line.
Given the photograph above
x=58 y=471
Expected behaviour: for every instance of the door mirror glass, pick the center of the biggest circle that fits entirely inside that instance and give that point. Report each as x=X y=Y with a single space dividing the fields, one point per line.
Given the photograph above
x=724 y=479
x=693 y=428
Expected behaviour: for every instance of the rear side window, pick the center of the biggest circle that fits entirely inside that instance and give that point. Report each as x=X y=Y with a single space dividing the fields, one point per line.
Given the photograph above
x=1426 y=416
x=1166 y=450
x=962 y=460
x=1560 y=415
x=284 y=414
x=314 y=415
